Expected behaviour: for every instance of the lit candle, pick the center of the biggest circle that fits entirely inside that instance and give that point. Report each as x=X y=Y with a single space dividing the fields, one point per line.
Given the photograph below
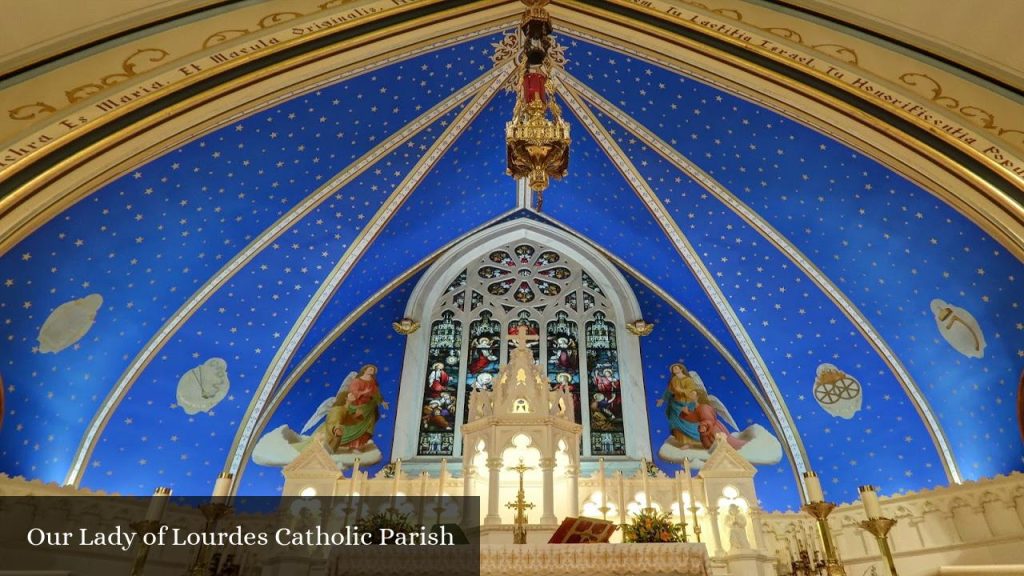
x=222 y=488
x=814 y=493
x=604 y=495
x=870 y=498
x=157 y=504
x=441 y=479
x=643 y=479
x=689 y=482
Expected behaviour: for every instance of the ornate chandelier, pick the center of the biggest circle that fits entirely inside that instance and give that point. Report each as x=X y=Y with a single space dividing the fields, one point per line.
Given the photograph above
x=537 y=137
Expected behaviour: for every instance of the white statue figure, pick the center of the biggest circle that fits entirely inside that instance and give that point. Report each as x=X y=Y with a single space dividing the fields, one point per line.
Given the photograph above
x=737 y=524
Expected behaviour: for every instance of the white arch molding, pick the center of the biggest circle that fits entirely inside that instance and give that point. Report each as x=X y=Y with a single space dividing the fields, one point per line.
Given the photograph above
x=624 y=308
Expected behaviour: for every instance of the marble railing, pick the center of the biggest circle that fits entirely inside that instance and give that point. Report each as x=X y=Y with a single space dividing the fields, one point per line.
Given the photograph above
x=595 y=559
x=973 y=523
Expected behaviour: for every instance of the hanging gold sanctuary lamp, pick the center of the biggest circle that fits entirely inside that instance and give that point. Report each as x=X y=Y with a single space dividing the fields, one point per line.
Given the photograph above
x=537 y=137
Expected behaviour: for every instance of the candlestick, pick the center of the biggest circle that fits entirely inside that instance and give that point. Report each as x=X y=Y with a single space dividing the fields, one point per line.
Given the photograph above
x=879 y=528
x=870 y=499
x=814 y=492
x=212 y=512
x=643 y=479
x=820 y=511
x=157 y=504
x=689 y=481
x=441 y=479
x=604 y=492
x=693 y=499
x=142 y=528
x=397 y=471
x=423 y=496
x=622 y=497
x=682 y=503
x=222 y=488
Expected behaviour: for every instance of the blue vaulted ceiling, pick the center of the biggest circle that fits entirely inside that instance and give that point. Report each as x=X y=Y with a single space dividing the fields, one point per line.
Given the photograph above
x=151 y=240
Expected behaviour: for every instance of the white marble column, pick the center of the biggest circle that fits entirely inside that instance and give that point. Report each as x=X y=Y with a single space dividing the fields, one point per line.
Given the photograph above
x=468 y=480
x=756 y=523
x=547 y=468
x=716 y=532
x=494 y=474
x=573 y=473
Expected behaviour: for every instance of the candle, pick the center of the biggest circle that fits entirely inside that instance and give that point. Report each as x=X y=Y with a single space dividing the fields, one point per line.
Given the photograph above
x=643 y=478
x=157 y=504
x=682 y=495
x=622 y=497
x=689 y=482
x=397 y=472
x=441 y=479
x=814 y=493
x=870 y=498
x=352 y=481
x=604 y=494
x=222 y=488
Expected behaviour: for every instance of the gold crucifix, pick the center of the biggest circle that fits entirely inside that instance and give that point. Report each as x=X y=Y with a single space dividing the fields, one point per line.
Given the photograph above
x=520 y=505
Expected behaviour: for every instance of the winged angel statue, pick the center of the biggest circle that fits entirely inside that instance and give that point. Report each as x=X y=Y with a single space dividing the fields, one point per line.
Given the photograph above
x=696 y=417
x=348 y=419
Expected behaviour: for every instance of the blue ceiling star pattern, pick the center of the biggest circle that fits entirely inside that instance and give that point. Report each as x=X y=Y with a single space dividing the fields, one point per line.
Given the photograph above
x=147 y=241
x=370 y=340
x=674 y=339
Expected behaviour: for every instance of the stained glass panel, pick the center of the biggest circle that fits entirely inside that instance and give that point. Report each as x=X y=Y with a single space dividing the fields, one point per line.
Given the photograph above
x=502 y=257
x=532 y=329
x=547 y=257
x=604 y=388
x=437 y=423
x=484 y=360
x=524 y=252
x=459 y=282
x=563 y=358
x=589 y=283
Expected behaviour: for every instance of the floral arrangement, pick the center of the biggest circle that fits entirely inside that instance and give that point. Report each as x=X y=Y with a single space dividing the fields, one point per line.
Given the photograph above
x=652 y=526
x=373 y=524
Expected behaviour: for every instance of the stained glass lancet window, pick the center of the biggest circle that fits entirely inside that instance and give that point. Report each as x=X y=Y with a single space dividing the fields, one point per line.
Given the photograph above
x=437 y=425
x=563 y=357
x=607 y=434
x=483 y=362
x=522 y=284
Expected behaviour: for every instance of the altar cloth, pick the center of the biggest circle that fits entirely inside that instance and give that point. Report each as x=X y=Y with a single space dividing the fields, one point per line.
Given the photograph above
x=677 y=559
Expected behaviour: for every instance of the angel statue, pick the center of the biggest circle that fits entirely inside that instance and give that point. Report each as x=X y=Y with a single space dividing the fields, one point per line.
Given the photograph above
x=696 y=417
x=349 y=418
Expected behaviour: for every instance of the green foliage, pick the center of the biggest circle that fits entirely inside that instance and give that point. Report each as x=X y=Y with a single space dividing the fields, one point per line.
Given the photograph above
x=652 y=526
x=387 y=519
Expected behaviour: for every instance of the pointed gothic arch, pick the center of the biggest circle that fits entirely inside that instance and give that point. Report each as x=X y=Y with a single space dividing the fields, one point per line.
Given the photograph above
x=468 y=285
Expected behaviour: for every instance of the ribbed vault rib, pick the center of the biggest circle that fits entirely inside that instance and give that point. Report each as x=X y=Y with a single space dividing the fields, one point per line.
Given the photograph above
x=700 y=271
x=238 y=262
x=689 y=317
x=300 y=369
x=777 y=239
x=493 y=81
